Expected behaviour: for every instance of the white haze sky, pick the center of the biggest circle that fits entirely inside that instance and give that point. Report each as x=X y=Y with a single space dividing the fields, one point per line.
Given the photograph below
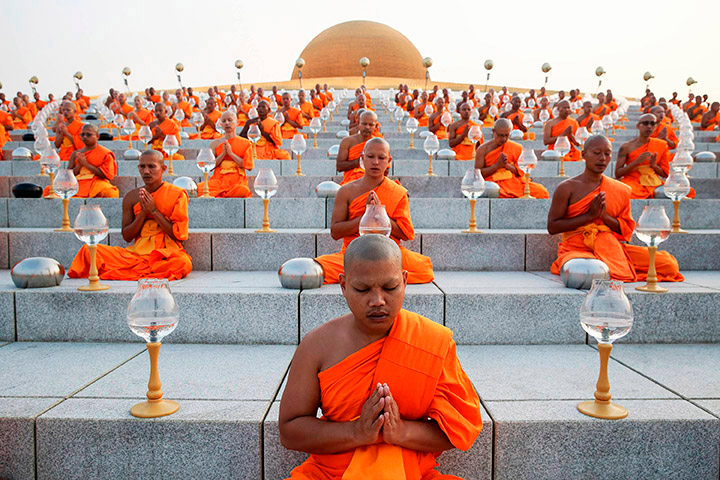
x=54 y=39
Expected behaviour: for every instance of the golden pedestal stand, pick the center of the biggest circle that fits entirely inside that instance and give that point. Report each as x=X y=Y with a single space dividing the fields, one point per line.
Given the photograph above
x=472 y=226
x=266 y=219
x=155 y=406
x=93 y=279
x=602 y=407
x=651 y=285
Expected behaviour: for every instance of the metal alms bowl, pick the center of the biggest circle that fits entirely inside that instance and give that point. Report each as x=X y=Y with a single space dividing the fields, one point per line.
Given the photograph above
x=301 y=272
x=37 y=272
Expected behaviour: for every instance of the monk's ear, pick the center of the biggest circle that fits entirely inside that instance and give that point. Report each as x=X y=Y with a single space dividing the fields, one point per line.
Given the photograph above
x=405 y=278
x=341 y=280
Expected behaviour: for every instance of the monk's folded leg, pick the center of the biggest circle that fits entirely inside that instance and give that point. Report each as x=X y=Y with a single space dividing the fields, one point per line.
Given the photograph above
x=113 y=263
x=282 y=154
x=538 y=191
x=103 y=189
x=175 y=266
x=332 y=266
x=418 y=266
x=666 y=265
x=238 y=191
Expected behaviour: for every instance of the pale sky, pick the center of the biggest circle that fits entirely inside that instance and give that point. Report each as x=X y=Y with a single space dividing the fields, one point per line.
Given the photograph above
x=54 y=39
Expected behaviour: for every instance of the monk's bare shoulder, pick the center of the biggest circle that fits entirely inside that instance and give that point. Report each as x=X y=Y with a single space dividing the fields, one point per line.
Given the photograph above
x=322 y=346
x=131 y=198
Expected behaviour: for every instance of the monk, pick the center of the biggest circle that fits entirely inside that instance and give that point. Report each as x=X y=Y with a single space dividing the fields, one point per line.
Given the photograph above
x=435 y=124
x=458 y=135
x=4 y=101
x=260 y=95
x=6 y=125
x=21 y=115
x=498 y=162
x=268 y=146
x=293 y=117
x=696 y=111
x=592 y=212
x=67 y=131
x=210 y=118
x=233 y=157
x=543 y=105
x=307 y=109
x=663 y=129
x=351 y=148
x=675 y=100
x=155 y=220
x=711 y=118
x=587 y=118
x=319 y=94
x=316 y=102
x=484 y=115
x=140 y=116
x=419 y=111
x=31 y=106
x=562 y=126
x=276 y=96
x=643 y=162
x=192 y=98
x=124 y=108
x=162 y=127
x=391 y=388
x=516 y=117
x=39 y=104
x=689 y=103
x=328 y=94
x=93 y=166
x=601 y=109
x=184 y=106
x=374 y=189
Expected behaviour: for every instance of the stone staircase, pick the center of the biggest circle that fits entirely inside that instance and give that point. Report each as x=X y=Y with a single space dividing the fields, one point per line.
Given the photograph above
x=72 y=369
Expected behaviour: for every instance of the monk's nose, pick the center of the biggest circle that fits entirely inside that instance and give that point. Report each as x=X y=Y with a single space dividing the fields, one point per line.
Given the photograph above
x=376 y=298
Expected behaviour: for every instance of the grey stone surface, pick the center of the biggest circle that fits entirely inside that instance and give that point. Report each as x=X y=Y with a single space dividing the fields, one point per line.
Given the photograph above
x=454 y=250
x=218 y=439
x=43 y=242
x=693 y=251
x=508 y=213
x=7 y=307
x=3 y=212
x=317 y=306
x=310 y=164
x=694 y=214
x=40 y=212
x=692 y=371
x=111 y=208
x=278 y=460
x=326 y=244
x=447 y=212
x=286 y=213
x=419 y=166
x=17 y=435
x=57 y=369
x=433 y=187
x=294 y=187
x=217 y=212
x=242 y=250
x=540 y=250
x=659 y=439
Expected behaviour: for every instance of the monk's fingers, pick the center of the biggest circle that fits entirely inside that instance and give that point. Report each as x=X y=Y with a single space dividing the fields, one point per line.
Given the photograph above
x=378 y=423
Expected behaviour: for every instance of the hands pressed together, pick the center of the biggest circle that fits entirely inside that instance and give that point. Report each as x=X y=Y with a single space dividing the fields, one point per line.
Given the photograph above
x=380 y=419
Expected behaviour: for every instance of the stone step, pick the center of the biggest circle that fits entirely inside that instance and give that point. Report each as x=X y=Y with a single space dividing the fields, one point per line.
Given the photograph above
x=63 y=416
x=244 y=307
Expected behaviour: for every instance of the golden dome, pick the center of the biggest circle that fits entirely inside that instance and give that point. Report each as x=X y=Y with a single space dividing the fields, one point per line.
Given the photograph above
x=336 y=52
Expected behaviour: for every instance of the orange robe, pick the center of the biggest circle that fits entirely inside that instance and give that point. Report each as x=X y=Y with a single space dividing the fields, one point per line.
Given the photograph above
x=511 y=185
x=441 y=132
x=209 y=133
x=713 y=122
x=267 y=150
x=69 y=145
x=328 y=94
x=155 y=98
x=145 y=116
x=357 y=172
x=670 y=131
x=695 y=113
x=40 y=104
x=169 y=127
x=465 y=150
x=557 y=129
x=423 y=121
x=125 y=109
x=585 y=121
x=187 y=110
x=488 y=121
x=601 y=110
x=395 y=199
x=418 y=361
x=643 y=180
x=92 y=186
x=33 y=110
x=318 y=104
x=612 y=105
x=288 y=131
x=628 y=263
x=153 y=254
x=26 y=115
x=4 y=136
x=526 y=135
x=242 y=118
x=229 y=179
x=308 y=109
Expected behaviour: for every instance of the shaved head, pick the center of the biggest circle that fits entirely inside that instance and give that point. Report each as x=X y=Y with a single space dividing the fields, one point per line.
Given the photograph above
x=503 y=123
x=152 y=155
x=68 y=104
x=376 y=141
x=90 y=127
x=596 y=139
x=561 y=103
x=372 y=248
x=369 y=113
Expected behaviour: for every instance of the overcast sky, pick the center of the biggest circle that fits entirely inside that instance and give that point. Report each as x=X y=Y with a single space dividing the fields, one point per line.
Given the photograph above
x=54 y=39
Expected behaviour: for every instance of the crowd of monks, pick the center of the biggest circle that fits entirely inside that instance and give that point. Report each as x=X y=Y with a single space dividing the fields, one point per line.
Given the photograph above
x=392 y=391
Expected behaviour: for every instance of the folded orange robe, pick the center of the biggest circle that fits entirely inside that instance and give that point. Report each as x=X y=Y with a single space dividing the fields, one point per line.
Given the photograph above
x=696 y=113
x=328 y=94
x=643 y=180
x=288 y=131
x=169 y=127
x=153 y=254
x=69 y=145
x=40 y=104
x=242 y=118
x=713 y=123
x=33 y=110
x=628 y=263
x=418 y=361
x=423 y=121
x=557 y=129
x=357 y=172
x=441 y=132
x=395 y=199
x=144 y=115
x=670 y=131
x=229 y=180
x=4 y=136
x=612 y=105
x=92 y=186
x=488 y=121
x=155 y=98
x=511 y=186
x=125 y=109
x=307 y=108
x=585 y=121
x=465 y=150
x=318 y=104
x=266 y=150
x=526 y=135
x=209 y=133
x=26 y=115
x=601 y=110
x=187 y=111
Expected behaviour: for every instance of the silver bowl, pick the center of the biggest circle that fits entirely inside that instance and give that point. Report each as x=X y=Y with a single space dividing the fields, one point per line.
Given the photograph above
x=516 y=135
x=345 y=123
x=327 y=188
x=333 y=151
x=492 y=190
x=705 y=157
x=425 y=134
x=301 y=273
x=446 y=154
x=660 y=192
x=579 y=273
x=132 y=154
x=550 y=156
x=22 y=153
x=188 y=184
x=342 y=134
x=37 y=272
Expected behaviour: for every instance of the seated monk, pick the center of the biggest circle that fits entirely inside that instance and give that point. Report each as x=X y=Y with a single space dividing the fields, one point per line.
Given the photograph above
x=316 y=102
x=419 y=111
x=155 y=220
x=392 y=391
x=435 y=124
x=374 y=189
x=354 y=125
x=161 y=127
x=711 y=118
x=67 y=130
x=268 y=147
x=210 y=118
x=516 y=117
x=543 y=105
x=233 y=156
x=352 y=146
x=140 y=116
x=643 y=163
x=185 y=106
x=31 y=106
x=664 y=129
x=484 y=112
x=21 y=115
x=124 y=108
x=498 y=162
x=307 y=108
x=592 y=212
x=93 y=166
x=328 y=94
x=601 y=110
x=587 y=118
x=562 y=126
x=458 y=135
x=243 y=109
x=6 y=124
x=293 y=118
x=696 y=111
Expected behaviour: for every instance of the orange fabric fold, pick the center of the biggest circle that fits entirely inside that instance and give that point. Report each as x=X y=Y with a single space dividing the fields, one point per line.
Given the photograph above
x=228 y=178
x=418 y=360
x=357 y=172
x=397 y=206
x=557 y=129
x=92 y=186
x=511 y=185
x=643 y=180
x=465 y=150
x=169 y=127
x=69 y=145
x=209 y=133
x=266 y=150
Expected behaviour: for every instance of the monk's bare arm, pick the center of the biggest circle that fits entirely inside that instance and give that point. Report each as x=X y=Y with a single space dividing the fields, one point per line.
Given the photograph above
x=480 y=162
x=433 y=127
x=342 y=164
x=623 y=168
x=131 y=224
x=548 y=139
x=706 y=118
x=453 y=138
x=558 y=208
x=340 y=226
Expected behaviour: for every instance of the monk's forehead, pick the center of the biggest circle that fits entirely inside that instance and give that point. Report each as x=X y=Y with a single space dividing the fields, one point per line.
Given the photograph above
x=377 y=147
x=597 y=140
x=90 y=127
x=228 y=115
x=563 y=103
x=646 y=117
x=368 y=114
